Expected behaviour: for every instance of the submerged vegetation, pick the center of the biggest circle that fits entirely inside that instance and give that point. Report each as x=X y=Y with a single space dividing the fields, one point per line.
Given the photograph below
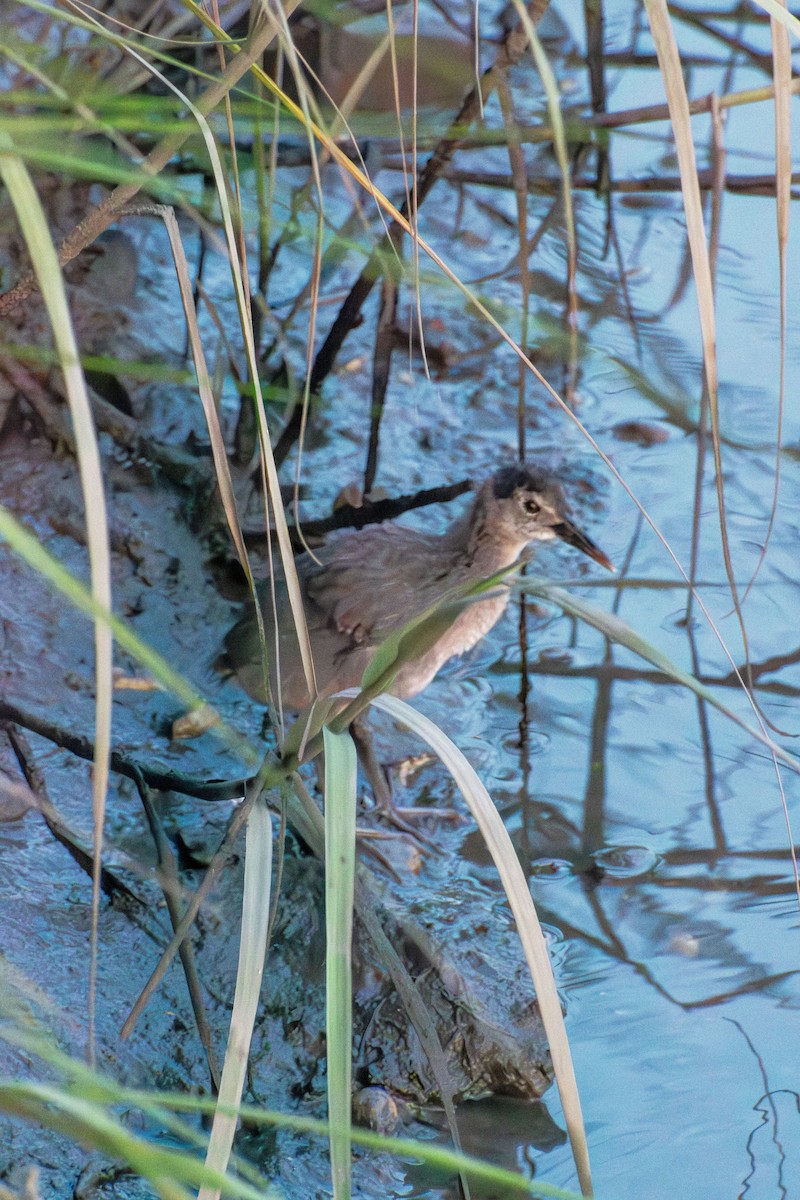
x=273 y=271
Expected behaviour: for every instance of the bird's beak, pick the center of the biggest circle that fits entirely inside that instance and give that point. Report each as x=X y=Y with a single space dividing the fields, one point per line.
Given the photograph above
x=570 y=534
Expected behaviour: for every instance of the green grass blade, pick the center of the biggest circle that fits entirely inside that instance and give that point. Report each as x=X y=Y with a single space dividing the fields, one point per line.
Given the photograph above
x=422 y=632
x=44 y=259
x=43 y=1102
x=340 y=862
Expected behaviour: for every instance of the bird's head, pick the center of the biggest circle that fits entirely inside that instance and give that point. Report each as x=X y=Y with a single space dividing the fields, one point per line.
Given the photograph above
x=524 y=503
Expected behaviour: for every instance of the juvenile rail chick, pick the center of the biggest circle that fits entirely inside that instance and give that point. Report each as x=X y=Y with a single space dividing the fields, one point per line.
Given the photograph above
x=370 y=582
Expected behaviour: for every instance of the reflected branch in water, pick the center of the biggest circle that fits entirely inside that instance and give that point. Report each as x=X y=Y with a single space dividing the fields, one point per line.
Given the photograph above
x=755 y=885
x=614 y=948
x=769 y=1095
x=683 y=856
x=541 y=185
x=595 y=795
x=745 y=989
x=611 y=944
x=620 y=673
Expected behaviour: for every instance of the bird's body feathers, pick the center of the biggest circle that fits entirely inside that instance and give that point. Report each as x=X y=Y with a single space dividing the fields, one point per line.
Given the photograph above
x=363 y=585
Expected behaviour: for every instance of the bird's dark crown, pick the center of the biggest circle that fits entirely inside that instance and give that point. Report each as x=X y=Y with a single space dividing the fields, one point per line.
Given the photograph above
x=519 y=476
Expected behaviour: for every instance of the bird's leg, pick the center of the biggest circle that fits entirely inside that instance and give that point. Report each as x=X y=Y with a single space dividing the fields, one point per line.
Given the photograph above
x=380 y=783
x=378 y=779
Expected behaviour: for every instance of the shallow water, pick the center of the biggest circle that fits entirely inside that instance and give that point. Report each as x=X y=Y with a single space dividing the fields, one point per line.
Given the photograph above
x=653 y=830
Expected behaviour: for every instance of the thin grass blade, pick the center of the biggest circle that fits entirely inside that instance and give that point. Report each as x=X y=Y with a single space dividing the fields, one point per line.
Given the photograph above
x=560 y=147
x=33 y=223
x=174 y=1174
x=216 y=437
x=340 y=865
x=782 y=75
x=680 y=116
x=20 y=1029
x=781 y=14
x=252 y=952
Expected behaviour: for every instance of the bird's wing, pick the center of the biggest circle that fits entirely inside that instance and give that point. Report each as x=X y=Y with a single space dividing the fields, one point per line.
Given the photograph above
x=374 y=581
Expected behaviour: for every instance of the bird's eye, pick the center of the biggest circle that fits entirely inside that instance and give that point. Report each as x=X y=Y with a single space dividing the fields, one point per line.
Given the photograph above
x=531 y=507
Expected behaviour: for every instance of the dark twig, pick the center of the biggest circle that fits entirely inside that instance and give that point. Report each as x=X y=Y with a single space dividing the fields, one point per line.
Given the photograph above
x=235 y=825
x=381 y=369
x=167 y=873
x=594 y=20
x=756 y=185
x=163 y=780
x=371 y=512
x=110 y=883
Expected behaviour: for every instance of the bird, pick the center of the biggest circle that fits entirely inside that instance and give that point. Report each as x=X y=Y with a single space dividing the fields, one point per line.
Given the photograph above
x=362 y=585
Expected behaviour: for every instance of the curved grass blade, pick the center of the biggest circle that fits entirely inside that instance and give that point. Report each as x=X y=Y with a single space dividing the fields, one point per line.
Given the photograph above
x=423 y=631
x=174 y=1174
x=241 y=292
x=560 y=147
x=252 y=952
x=782 y=15
x=516 y=888
x=680 y=116
x=782 y=76
x=20 y=1029
x=91 y=1125
x=33 y=224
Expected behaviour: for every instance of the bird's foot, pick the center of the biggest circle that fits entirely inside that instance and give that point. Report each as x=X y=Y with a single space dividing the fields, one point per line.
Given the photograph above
x=410 y=859
x=403 y=818
x=381 y=785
